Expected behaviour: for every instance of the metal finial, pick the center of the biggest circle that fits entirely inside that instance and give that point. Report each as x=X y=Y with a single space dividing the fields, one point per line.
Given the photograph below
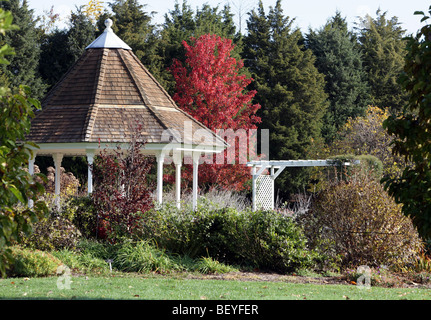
x=108 y=24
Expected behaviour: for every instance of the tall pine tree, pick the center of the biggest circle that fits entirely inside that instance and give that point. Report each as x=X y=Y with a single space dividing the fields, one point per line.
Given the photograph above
x=289 y=89
x=181 y=24
x=339 y=58
x=383 y=51
x=23 y=67
x=134 y=26
x=62 y=47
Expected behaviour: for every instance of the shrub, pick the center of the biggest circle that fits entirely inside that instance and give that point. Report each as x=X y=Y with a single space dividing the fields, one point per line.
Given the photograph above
x=53 y=233
x=32 y=263
x=141 y=256
x=356 y=220
x=121 y=188
x=264 y=239
x=81 y=261
x=81 y=212
x=208 y=265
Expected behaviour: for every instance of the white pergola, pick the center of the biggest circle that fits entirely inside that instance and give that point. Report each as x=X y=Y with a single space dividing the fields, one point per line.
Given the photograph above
x=263 y=184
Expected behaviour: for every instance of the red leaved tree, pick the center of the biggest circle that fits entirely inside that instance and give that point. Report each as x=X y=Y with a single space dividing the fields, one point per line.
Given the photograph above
x=211 y=88
x=122 y=192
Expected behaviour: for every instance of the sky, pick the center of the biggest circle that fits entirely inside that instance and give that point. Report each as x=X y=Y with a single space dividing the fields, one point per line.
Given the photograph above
x=307 y=13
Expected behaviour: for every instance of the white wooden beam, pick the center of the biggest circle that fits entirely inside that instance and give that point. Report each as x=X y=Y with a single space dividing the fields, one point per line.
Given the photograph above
x=196 y=157
x=160 y=161
x=31 y=160
x=90 y=159
x=58 y=157
x=177 y=157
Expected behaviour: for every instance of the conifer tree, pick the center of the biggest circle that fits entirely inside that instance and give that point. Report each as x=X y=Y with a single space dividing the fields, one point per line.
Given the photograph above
x=182 y=23
x=289 y=89
x=338 y=57
x=383 y=51
x=62 y=47
x=82 y=32
x=23 y=66
x=133 y=25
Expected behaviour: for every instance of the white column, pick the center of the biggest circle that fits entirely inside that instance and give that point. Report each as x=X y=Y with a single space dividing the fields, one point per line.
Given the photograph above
x=31 y=171
x=90 y=159
x=160 y=160
x=58 y=157
x=196 y=157
x=178 y=162
x=254 y=177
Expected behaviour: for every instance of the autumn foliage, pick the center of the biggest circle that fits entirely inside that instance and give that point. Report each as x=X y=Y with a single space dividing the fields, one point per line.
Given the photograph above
x=210 y=87
x=122 y=192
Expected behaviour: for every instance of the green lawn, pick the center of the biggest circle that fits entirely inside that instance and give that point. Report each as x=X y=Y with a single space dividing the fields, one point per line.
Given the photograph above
x=160 y=287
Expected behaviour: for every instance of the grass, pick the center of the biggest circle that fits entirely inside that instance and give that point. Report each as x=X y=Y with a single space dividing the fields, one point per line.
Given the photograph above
x=162 y=287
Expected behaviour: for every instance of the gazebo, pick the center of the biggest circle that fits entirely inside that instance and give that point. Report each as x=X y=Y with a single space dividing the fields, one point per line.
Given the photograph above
x=96 y=104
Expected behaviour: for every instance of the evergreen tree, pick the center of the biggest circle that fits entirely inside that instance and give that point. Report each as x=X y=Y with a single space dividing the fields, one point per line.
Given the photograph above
x=411 y=127
x=82 y=32
x=289 y=88
x=181 y=24
x=383 y=51
x=62 y=48
x=338 y=57
x=55 y=59
x=133 y=25
x=23 y=66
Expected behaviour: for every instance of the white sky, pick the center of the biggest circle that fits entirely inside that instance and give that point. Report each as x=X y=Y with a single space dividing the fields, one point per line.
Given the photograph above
x=308 y=13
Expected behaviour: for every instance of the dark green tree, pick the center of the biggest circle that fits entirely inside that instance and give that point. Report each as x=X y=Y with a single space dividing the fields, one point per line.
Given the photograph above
x=339 y=58
x=411 y=127
x=81 y=33
x=183 y=22
x=60 y=48
x=383 y=50
x=289 y=88
x=134 y=26
x=23 y=66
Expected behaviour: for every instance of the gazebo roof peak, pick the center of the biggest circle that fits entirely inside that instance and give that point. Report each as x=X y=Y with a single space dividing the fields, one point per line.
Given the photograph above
x=108 y=39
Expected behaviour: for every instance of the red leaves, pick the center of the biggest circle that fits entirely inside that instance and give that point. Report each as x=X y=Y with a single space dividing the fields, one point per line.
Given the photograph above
x=121 y=189
x=211 y=88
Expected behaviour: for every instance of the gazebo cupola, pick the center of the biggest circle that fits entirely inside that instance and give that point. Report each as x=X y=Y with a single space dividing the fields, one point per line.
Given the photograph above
x=98 y=101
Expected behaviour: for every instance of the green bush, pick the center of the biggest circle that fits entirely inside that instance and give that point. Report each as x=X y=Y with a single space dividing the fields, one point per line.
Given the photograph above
x=81 y=261
x=356 y=221
x=32 y=263
x=142 y=257
x=80 y=210
x=263 y=239
x=208 y=265
x=53 y=233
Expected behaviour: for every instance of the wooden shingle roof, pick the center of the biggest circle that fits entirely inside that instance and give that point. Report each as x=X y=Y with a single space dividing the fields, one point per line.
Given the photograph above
x=102 y=98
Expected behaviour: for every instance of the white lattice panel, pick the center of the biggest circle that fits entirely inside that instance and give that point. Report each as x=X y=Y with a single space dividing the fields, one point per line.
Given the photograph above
x=265 y=192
